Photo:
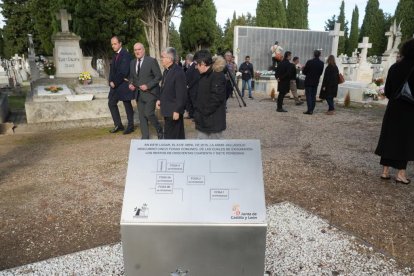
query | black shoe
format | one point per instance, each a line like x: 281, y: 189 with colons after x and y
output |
x: 128, y: 130
x: 116, y: 129
x: 308, y: 112
x: 251, y: 98
x: 299, y: 103
x: 281, y: 110
x: 160, y: 133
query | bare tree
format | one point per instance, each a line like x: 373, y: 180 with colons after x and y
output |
x: 156, y: 18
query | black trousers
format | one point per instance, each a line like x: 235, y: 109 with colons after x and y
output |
x: 174, y: 129
x: 146, y: 111
x: 116, y: 117
x: 280, y: 98
x: 396, y: 164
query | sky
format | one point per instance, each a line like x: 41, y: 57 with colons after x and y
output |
x: 319, y: 10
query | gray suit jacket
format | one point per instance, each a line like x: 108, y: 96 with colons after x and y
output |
x: 149, y: 74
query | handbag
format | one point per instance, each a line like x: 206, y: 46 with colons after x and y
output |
x: 341, y: 78
x: 404, y: 92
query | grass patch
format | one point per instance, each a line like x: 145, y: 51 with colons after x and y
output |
x: 16, y: 102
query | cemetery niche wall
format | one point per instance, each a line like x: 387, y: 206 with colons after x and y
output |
x: 256, y: 42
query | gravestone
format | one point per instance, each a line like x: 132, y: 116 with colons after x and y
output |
x: 365, y: 72
x: 196, y: 206
x: 336, y: 33
x: 34, y: 71
x: 67, y: 53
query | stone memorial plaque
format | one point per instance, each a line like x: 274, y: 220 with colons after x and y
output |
x: 79, y: 98
x: 69, y: 60
x: 195, y: 205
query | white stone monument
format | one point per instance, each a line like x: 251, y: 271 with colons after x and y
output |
x: 365, y: 72
x: 336, y: 33
x: 34, y: 71
x: 67, y: 53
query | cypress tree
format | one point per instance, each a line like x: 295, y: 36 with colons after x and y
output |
x: 18, y: 24
x: 341, y: 20
x: 195, y: 33
x: 353, y: 36
x: 270, y: 13
x: 297, y: 15
x: 404, y: 13
x: 305, y: 14
x: 373, y: 26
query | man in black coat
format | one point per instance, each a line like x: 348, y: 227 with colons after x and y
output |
x: 210, y: 107
x: 119, y: 91
x: 173, y: 95
x: 246, y: 68
x: 144, y: 77
x: 313, y: 70
x: 192, y: 76
x: 283, y: 76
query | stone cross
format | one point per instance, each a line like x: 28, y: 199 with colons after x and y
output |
x: 64, y: 18
x: 397, y: 41
x: 390, y: 35
x: 364, y: 46
x: 336, y: 33
x: 31, y: 50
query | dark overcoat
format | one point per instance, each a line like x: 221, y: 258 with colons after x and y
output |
x: 396, y: 140
x: 313, y: 70
x: 283, y: 74
x: 173, y: 91
x: 210, y: 108
x: 118, y: 74
x: 329, y: 88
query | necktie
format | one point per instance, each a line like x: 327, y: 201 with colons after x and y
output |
x: 138, y: 66
x: 117, y: 57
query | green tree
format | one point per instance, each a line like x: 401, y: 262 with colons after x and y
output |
x: 373, y: 26
x: 297, y: 14
x: 45, y: 24
x: 353, y: 36
x: 270, y: 13
x: 175, y: 40
x: 18, y: 24
x: 341, y: 20
x: 404, y: 14
x: 196, y: 33
x: 330, y: 23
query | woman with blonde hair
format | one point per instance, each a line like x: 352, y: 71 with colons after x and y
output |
x: 329, y: 89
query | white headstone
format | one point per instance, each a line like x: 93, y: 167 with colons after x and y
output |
x: 364, y: 46
x: 336, y: 33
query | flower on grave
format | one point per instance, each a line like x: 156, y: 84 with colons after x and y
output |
x: 379, y: 81
x: 85, y: 76
x: 53, y: 88
x: 257, y: 75
x: 371, y: 91
x: 49, y: 68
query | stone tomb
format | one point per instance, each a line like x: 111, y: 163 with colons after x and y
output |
x: 195, y: 206
x: 73, y: 102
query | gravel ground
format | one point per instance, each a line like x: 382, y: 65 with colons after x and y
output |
x: 61, y: 190
x: 298, y: 243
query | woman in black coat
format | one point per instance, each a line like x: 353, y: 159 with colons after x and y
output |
x: 329, y: 88
x: 396, y: 142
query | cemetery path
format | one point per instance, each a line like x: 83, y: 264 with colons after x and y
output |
x: 61, y: 190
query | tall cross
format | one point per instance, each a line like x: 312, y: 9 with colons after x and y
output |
x: 390, y: 35
x: 64, y: 18
x: 364, y: 46
x: 336, y: 33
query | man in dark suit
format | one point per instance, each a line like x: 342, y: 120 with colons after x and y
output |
x: 192, y: 76
x: 119, y: 91
x: 173, y: 95
x: 283, y: 76
x: 145, y: 75
x: 313, y: 70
